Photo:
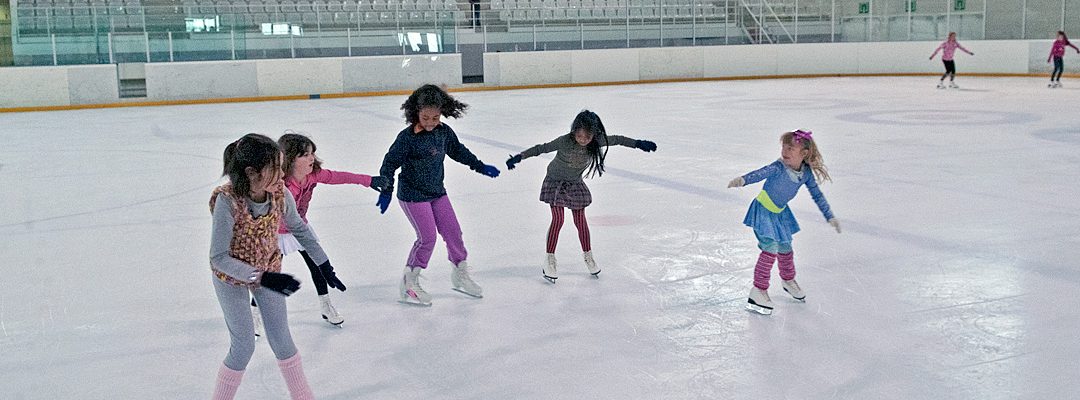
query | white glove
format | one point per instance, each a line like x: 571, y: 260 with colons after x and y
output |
x: 737, y: 182
x: 835, y: 224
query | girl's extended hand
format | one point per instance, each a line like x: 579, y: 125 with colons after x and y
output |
x: 835, y: 224
x: 737, y: 182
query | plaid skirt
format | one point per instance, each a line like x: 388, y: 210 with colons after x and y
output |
x: 570, y: 194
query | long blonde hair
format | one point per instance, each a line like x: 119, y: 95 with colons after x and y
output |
x: 814, y: 159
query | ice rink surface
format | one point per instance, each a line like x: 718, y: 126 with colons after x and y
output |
x: 955, y: 277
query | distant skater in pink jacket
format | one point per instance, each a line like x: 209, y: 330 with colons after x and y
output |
x: 303, y: 171
x: 1057, y: 53
x: 948, y: 50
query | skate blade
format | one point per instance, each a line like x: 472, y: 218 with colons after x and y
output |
x: 800, y: 299
x: 758, y: 309
x: 331, y: 323
x: 550, y: 279
x: 413, y: 302
x: 478, y: 296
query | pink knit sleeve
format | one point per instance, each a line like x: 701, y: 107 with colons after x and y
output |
x: 339, y: 177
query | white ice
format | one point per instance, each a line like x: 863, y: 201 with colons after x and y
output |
x: 955, y: 276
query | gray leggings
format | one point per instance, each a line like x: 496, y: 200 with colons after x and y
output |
x: 234, y: 303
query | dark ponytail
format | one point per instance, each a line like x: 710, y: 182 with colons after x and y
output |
x: 252, y: 150
x: 590, y: 122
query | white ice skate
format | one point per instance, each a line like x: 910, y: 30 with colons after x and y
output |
x: 461, y: 281
x: 1057, y: 85
x: 952, y: 85
x: 759, y: 301
x: 256, y: 317
x: 329, y: 313
x: 591, y: 264
x: 1051, y: 85
x: 941, y: 85
x: 411, y: 292
x: 550, y: 269
x: 794, y: 290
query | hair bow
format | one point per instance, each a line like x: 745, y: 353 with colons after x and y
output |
x: 801, y: 135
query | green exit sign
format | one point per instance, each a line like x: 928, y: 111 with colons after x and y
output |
x: 910, y: 6
x: 864, y: 8
x: 960, y: 5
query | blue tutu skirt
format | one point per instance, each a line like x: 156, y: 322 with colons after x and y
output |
x: 767, y: 224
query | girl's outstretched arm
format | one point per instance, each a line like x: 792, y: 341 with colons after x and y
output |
x: 819, y: 198
x: 760, y: 174
x: 645, y: 145
x: 331, y: 177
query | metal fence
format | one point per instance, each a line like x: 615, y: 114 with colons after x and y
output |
x: 59, y: 32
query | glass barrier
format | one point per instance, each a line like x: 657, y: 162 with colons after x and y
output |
x: 60, y: 32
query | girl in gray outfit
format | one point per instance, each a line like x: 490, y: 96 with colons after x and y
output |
x: 584, y: 148
x: 245, y: 258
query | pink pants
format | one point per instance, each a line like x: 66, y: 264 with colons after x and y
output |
x: 427, y: 218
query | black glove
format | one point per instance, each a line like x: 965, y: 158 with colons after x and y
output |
x: 380, y: 183
x: 281, y: 283
x: 512, y: 162
x: 330, y: 277
x: 645, y: 145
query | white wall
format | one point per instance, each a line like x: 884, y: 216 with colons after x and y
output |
x: 97, y: 84
x: 588, y: 66
x: 49, y: 86
x: 283, y: 77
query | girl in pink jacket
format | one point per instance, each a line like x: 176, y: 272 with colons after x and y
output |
x: 948, y: 49
x: 303, y: 171
x: 1057, y: 53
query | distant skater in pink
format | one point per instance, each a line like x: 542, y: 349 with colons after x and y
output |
x: 948, y: 50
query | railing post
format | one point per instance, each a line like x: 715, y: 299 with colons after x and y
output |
x: 348, y: 35
x: 870, y: 23
x: 232, y: 42
x: 170, y: 47
x: 55, y: 60
x: 146, y: 37
x: 1023, y: 20
x: 534, y: 37
x: 693, y: 23
x: 661, y: 23
x: 984, y: 19
x: 948, y: 16
x: 112, y: 59
x: 909, y: 19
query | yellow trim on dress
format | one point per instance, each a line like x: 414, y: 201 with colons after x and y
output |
x: 766, y: 201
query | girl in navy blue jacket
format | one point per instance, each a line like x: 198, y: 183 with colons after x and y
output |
x: 419, y: 151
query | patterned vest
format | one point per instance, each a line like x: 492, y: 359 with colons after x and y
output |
x: 254, y: 240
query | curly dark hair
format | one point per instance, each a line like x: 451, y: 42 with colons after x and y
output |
x: 432, y: 96
x: 295, y: 145
x: 598, y: 147
x: 252, y: 150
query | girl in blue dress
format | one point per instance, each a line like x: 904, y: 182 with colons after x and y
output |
x: 774, y: 224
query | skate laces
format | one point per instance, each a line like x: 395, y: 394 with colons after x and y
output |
x: 463, y: 272
x: 794, y: 285
x: 330, y: 310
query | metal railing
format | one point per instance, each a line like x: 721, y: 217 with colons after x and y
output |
x: 207, y: 30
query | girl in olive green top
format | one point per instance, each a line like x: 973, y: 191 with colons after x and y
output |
x: 584, y: 148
